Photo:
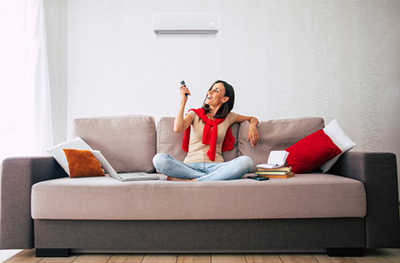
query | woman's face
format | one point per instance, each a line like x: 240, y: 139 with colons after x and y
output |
x: 216, y: 95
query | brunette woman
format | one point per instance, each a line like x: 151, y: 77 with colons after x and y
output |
x: 207, y: 135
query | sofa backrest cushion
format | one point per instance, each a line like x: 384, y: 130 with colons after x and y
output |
x: 127, y: 142
x: 276, y: 135
x: 170, y: 142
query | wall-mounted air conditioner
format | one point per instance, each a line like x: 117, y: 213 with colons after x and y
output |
x: 186, y: 23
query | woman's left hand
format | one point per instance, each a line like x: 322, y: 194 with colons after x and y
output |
x: 253, y: 135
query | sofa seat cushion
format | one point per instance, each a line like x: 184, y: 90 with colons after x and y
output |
x: 104, y: 198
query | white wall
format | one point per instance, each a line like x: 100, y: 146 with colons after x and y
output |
x: 285, y: 59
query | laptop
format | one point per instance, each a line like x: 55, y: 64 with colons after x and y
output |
x: 124, y: 177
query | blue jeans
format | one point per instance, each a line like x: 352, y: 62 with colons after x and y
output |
x: 172, y: 167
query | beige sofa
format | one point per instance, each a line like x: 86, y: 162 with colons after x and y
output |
x: 353, y: 207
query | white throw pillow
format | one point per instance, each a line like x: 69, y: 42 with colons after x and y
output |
x: 58, y: 153
x: 342, y: 141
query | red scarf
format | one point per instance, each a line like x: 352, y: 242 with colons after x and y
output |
x: 210, y: 134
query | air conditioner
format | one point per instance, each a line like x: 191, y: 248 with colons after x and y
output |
x: 186, y: 23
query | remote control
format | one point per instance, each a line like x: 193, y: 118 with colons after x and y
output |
x: 183, y: 83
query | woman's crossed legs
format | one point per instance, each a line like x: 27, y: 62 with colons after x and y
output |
x: 172, y: 167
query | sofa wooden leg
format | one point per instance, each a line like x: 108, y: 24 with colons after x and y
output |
x: 345, y: 252
x: 53, y: 252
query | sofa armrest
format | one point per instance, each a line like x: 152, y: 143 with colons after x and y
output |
x: 18, y: 176
x: 378, y: 172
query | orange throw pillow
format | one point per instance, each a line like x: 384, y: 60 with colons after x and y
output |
x: 82, y: 163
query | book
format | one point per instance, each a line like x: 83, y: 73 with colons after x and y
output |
x: 276, y: 159
x: 279, y: 169
x: 272, y: 172
x: 289, y: 175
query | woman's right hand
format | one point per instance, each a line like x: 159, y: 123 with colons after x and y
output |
x: 184, y: 91
x: 181, y: 123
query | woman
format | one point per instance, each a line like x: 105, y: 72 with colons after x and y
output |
x: 207, y: 135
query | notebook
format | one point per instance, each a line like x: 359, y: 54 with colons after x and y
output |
x: 124, y: 177
x: 276, y: 159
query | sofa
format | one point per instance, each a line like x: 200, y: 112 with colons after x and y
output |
x: 352, y: 207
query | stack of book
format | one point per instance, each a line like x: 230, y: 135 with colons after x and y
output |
x: 275, y: 168
x: 279, y: 172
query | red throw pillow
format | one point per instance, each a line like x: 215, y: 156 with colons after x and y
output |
x: 311, y: 152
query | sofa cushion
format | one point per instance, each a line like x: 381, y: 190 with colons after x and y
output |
x: 127, y: 142
x: 311, y: 152
x: 104, y: 198
x: 170, y: 142
x: 276, y: 135
x: 341, y: 140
